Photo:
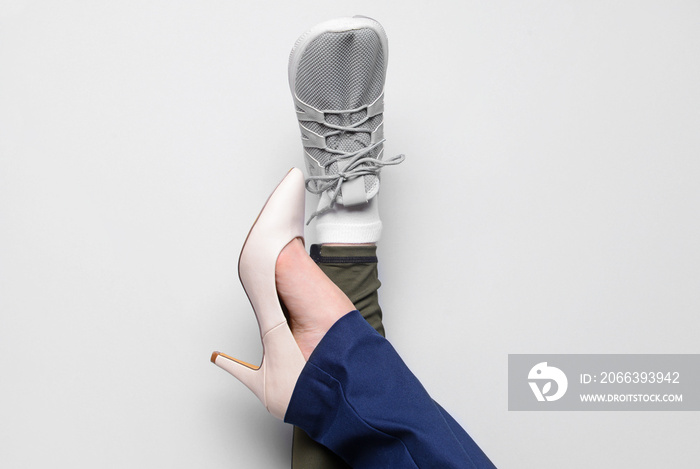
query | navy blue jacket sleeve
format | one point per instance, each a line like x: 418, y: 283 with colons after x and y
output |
x: 358, y: 398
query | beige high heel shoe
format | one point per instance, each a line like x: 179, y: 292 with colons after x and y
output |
x: 280, y: 221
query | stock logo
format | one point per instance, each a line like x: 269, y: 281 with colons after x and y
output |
x: 543, y: 375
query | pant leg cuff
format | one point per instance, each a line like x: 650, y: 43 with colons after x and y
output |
x: 362, y: 254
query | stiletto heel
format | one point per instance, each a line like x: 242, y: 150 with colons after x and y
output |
x: 280, y: 221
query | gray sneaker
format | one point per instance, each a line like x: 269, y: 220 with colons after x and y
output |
x: 337, y: 71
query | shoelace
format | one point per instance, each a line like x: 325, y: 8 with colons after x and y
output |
x: 358, y: 165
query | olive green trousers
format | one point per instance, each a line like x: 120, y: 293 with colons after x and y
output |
x: 354, y: 270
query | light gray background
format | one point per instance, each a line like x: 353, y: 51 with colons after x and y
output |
x: 549, y: 204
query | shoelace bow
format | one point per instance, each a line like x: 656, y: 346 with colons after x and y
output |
x: 358, y: 165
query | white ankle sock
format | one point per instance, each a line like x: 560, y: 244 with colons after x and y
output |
x: 351, y: 225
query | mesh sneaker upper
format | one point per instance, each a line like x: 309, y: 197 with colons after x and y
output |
x: 341, y: 70
x: 341, y: 73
